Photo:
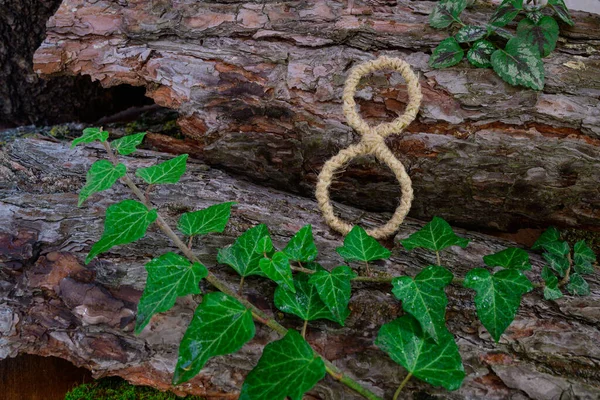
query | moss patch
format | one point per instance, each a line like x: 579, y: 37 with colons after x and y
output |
x: 118, y: 389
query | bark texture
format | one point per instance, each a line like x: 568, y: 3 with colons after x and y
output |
x: 52, y: 304
x: 258, y: 86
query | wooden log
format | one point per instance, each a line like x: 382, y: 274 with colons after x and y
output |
x: 53, y: 304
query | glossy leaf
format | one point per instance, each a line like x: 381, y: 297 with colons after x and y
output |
x: 436, y: 235
x: 169, y: 276
x: 577, y: 286
x: 551, y: 289
x: 207, y: 220
x: 334, y: 289
x: 128, y: 144
x: 221, y: 325
x: 288, y: 367
x: 480, y: 54
x: 165, y: 172
x: 242, y: 255
x: 125, y: 222
x: 511, y: 257
x: 446, y: 54
x: 90, y: 135
x: 560, y: 8
x: 359, y: 246
x: 519, y: 64
x: 101, y: 176
x: 278, y: 270
x: 265, y: 245
x: 498, y: 297
x: 438, y: 364
x: 446, y: 12
x: 470, y: 33
x: 549, y: 235
x: 506, y: 12
x: 542, y: 35
x: 305, y: 303
x: 583, y: 258
x: 559, y: 248
x: 302, y: 246
x: 558, y: 263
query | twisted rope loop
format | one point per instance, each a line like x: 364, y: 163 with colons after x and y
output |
x: 372, y: 143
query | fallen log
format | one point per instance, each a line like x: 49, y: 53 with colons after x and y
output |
x: 53, y: 304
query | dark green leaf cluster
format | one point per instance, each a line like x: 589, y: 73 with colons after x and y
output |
x: 517, y: 58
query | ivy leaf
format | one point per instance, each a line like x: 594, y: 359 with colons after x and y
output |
x: 128, y: 144
x: 221, y: 325
x: 445, y: 12
x: 542, y: 35
x: 302, y: 246
x: 436, y: 235
x: 498, y: 297
x: 264, y: 246
x: 125, y: 222
x: 278, y: 270
x: 305, y: 303
x: 287, y: 368
x: 551, y: 289
x: 511, y: 257
x: 165, y: 172
x: 519, y: 64
x: 550, y: 235
x: 480, y: 54
x: 584, y: 258
x: 557, y: 262
x: 201, y: 222
x: 577, y: 286
x: 560, y: 8
x: 470, y: 33
x: 169, y: 276
x: 559, y: 248
x: 334, y: 289
x: 502, y: 32
x: 90, y: 135
x: 446, y: 54
x: 359, y: 246
x: 101, y: 176
x: 438, y: 364
x: 506, y: 12
x: 424, y: 298
x: 242, y: 255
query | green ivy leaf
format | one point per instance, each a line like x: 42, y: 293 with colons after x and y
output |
x: 584, y: 258
x: 165, y: 172
x: 558, y: 263
x: 242, y: 255
x: 436, y: 235
x: 551, y: 289
x: 511, y: 257
x: 577, y: 286
x: 334, y: 289
x: 265, y: 246
x: 550, y: 235
x: 446, y: 54
x: 288, y: 368
x: 470, y: 33
x: 541, y: 36
x: 424, y: 298
x: 559, y: 248
x: 498, y: 297
x: 506, y: 12
x: 359, y: 246
x: 101, y: 176
x: 90, y: 135
x: 128, y: 144
x: 519, y: 64
x: 438, y: 364
x: 560, y: 8
x: 302, y: 246
x: 125, y: 222
x: 305, y: 303
x: 169, y: 276
x: 480, y: 54
x: 221, y: 325
x: 535, y: 16
x: 201, y: 222
x: 278, y: 269
x: 446, y: 12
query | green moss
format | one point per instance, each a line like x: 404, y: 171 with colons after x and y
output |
x: 118, y: 389
x: 592, y: 239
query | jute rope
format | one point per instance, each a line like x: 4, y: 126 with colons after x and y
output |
x: 372, y: 143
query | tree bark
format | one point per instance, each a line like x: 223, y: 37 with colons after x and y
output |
x: 52, y: 304
x: 258, y: 87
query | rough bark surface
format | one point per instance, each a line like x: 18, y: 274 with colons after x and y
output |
x: 52, y: 304
x: 258, y: 86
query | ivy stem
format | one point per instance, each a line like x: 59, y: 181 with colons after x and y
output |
x: 190, y: 242
x: 437, y: 256
x: 404, y: 382
x: 241, y: 285
x: 147, y: 193
x: 304, y: 328
x: 368, y: 270
x: 374, y: 279
x: 565, y: 280
x: 257, y: 313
